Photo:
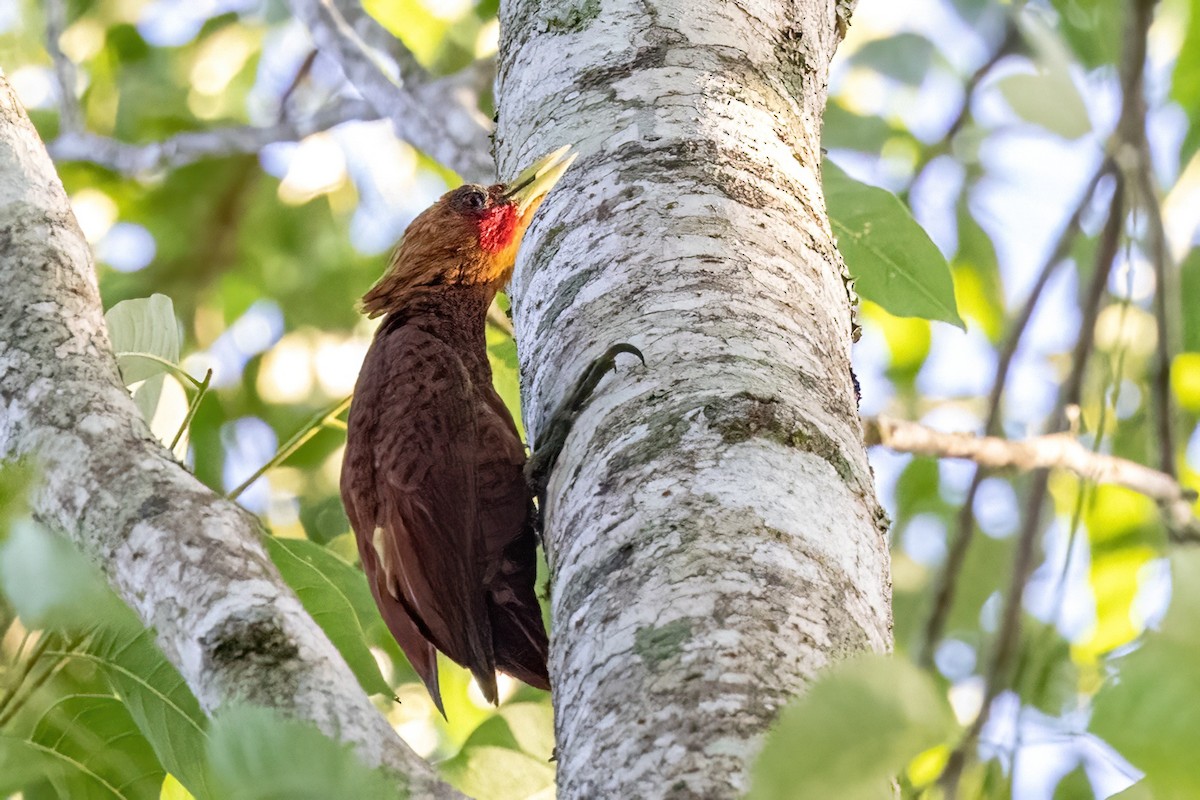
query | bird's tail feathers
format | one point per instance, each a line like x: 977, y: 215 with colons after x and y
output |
x: 520, y: 642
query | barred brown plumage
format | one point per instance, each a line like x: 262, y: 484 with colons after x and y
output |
x: 432, y: 477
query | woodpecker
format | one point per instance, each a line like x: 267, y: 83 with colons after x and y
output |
x: 433, y: 478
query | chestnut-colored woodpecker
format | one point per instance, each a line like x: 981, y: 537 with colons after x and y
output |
x: 433, y: 477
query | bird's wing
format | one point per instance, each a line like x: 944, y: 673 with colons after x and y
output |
x: 506, y: 520
x: 412, y: 416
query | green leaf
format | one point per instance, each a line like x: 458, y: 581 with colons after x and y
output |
x: 1048, y: 98
x: 145, y: 337
x: 154, y: 693
x: 147, y: 394
x: 492, y: 732
x: 23, y: 763
x: 1189, y: 286
x: 906, y: 57
x: 1144, y: 712
x: 502, y: 354
x: 345, y: 547
x: 1139, y: 791
x: 892, y: 259
x: 978, y: 582
x: 17, y: 479
x: 89, y: 747
x: 972, y: 11
x: 917, y: 489
x: 1093, y: 29
x: 1047, y: 678
x: 256, y: 754
x: 172, y: 789
x: 852, y: 732
x: 526, y: 727
x: 1185, y: 81
x: 325, y: 585
x: 499, y: 773
x: 1075, y: 785
x: 532, y: 726
x: 978, y: 286
x: 52, y: 585
x: 845, y: 129
x: 144, y: 333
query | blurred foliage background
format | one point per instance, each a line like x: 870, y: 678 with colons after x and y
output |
x: 987, y: 118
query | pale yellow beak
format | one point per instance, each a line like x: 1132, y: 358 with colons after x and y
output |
x: 536, y: 180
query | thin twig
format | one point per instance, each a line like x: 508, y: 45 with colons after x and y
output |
x: 192, y: 407
x: 29, y: 632
x: 1048, y: 631
x: 1053, y: 451
x: 1112, y: 385
x: 69, y: 109
x: 192, y: 146
x: 1156, y: 237
x: 166, y: 364
x: 13, y: 703
x: 27, y: 666
x: 1009, y: 633
x: 438, y: 116
x: 1008, y: 636
x: 946, y: 586
x: 308, y: 431
x: 1110, y: 237
x: 1008, y: 45
x: 498, y: 319
x: 303, y: 72
x: 946, y: 583
x: 432, y: 119
x: 8, y: 618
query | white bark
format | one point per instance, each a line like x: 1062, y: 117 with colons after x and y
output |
x: 189, y: 563
x: 1052, y: 451
x: 713, y: 532
x: 192, y: 146
x: 440, y: 118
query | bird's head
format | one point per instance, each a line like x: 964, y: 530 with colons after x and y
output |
x: 469, y: 236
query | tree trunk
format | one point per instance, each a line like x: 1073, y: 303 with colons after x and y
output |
x: 712, y: 528
x: 190, y: 563
x: 713, y: 531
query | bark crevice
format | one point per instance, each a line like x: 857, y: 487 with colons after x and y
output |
x: 712, y: 529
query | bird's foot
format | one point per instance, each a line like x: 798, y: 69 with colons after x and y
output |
x: 550, y: 444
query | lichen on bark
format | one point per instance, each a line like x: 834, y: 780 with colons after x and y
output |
x: 712, y: 529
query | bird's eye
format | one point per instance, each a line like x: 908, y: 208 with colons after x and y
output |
x: 476, y: 200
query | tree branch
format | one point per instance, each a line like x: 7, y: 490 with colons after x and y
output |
x: 946, y: 581
x: 1164, y: 278
x: 1129, y: 131
x: 425, y: 113
x: 191, y: 564
x: 193, y: 146
x: 1052, y: 451
x: 1009, y: 44
x: 69, y: 110
x: 499, y: 320
x: 1009, y: 633
x: 1135, y: 151
x: 438, y: 116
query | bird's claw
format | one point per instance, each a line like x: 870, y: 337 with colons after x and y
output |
x: 550, y: 443
x: 610, y: 355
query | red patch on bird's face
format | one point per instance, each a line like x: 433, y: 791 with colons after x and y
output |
x: 497, y: 226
